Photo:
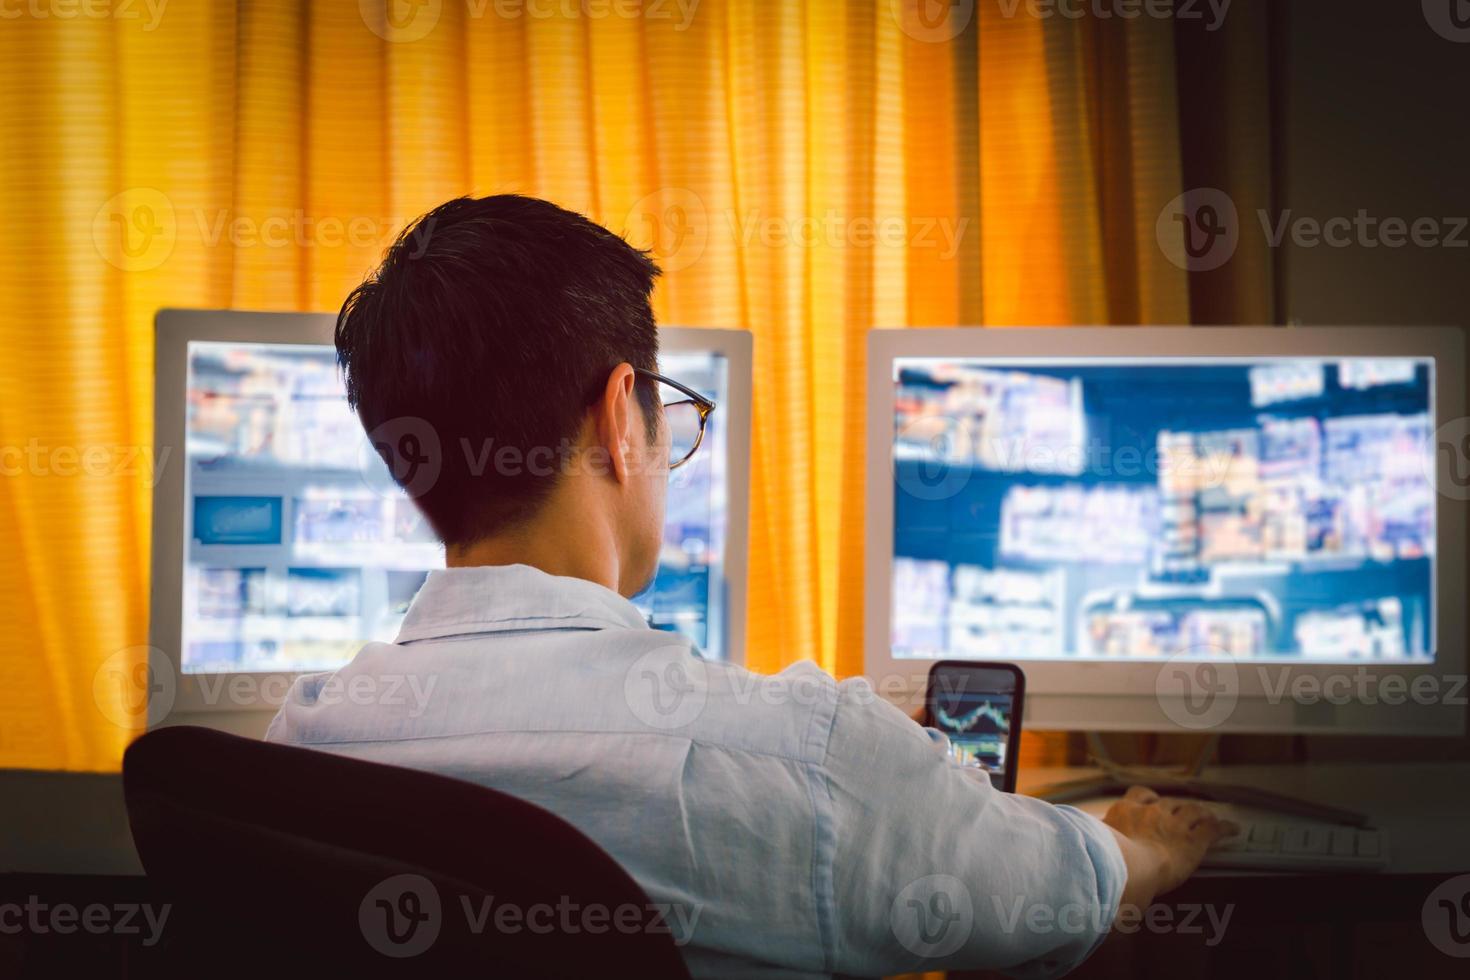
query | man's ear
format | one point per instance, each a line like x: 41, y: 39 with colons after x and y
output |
x: 615, y: 420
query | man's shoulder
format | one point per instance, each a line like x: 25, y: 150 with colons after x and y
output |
x: 670, y: 689
x: 791, y: 713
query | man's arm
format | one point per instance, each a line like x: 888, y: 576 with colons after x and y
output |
x: 1161, y: 845
x: 934, y: 869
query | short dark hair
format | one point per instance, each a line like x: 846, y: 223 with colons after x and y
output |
x: 495, y: 320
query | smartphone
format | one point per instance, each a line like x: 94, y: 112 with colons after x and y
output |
x: 978, y: 705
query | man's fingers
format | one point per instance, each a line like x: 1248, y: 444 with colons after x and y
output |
x: 1206, y: 821
x: 1140, y: 794
x: 1201, y: 820
x: 1185, y: 813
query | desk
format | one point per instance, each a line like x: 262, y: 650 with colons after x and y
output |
x: 1293, y: 926
x: 1314, y: 925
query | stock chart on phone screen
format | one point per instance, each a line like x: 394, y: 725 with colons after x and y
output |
x: 1105, y: 508
x: 979, y: 729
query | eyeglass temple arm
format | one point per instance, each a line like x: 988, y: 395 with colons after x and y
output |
x: 705, y: 405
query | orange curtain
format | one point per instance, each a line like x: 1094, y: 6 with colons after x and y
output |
x: 804, y: 171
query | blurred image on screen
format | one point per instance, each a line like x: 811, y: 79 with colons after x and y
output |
x: 687, y: 595
x: 1106, y: 508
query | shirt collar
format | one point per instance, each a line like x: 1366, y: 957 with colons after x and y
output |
x: 496, y: 598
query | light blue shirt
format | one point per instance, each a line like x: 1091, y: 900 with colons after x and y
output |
x: 787, y: 825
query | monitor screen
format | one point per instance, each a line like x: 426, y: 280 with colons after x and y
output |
x: 299, y: 549
x: 1146, y: 508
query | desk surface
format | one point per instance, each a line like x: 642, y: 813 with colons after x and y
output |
x: 76, y: 823
x: 1422, y: 808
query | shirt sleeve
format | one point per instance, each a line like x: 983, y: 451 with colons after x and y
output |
x: 934, y: 869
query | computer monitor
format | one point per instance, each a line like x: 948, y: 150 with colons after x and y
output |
x: 281, y: 545
x: 1244, y: 529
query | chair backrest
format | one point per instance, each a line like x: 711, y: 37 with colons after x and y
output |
x: 282, y: 857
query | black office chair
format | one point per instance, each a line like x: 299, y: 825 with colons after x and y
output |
x: 280, y: 859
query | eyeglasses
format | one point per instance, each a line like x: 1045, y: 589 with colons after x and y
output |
x: 687, y: 413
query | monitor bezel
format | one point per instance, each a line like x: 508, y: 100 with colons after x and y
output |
x: 1078, y: 694
x: 195, y: 700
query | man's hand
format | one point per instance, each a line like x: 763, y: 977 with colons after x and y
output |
x: 1163, y: 840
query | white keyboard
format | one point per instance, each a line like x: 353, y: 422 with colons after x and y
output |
x: 1270, y: 841
x: 1285, y: 845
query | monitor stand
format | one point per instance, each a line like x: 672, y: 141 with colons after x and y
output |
x: 1185, y: 780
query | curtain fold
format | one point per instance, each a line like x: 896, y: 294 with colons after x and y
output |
x: 803, y: 171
